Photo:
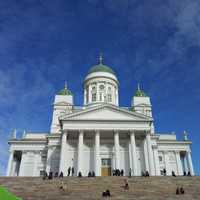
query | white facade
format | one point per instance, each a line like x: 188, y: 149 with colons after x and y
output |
x: 100, y: 136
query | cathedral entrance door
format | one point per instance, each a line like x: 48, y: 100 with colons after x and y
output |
x: 105, y: 167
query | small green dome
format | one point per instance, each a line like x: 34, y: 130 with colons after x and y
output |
x: 139, y: 92
x: 65, y: 91
x: 101, y: 68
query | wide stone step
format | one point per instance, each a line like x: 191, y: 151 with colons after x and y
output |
x: 32, y: 188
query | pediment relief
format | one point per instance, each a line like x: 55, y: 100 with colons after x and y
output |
x: 107, y: 112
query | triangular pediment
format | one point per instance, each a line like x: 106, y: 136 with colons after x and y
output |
x: 62, y: 103
x: 108, y: 113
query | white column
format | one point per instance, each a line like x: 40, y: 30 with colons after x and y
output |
x: 150, y: 154
x: 63, y: 153
x: 117, y: 150
x: 117, y: 97
x: 133, y: 154
x: 80, y: 151
x: 49, y: 154
x: 146, y: 155
x: 97, y: 153
x: 21, y: 169
x: 178, y: 163
x: 90, y: 93
x: 167, y: 166
x: 156, y: 161
x: 10, y: 161
x: 185, y: 163
x: 85, y: 94
x: 190, y: 163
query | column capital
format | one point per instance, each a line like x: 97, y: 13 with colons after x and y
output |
x: 96, y: 130
x: 165, y: 152
x: 148, y: 132
x: 81, y: 131
x: 131, y: 130
x: 116, y: 131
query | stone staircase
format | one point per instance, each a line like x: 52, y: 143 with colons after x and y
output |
x: 141, y: 188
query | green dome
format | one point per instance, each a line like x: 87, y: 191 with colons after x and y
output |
x: 101, y: 68
x: 139, y: 92
x: 65, y: 91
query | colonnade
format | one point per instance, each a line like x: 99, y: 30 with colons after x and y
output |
x: 97, y: 158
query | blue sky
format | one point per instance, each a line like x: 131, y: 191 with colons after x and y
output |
x: 43, y: 43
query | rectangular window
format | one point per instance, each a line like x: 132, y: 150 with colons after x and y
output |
x: 94, y: 97
x: 109, y: 98
x: 100, y: 97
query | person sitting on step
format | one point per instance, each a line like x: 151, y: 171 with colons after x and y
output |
x: 182, y: 191
x: 89, y: 174
x: 104, y: 194
x: 126, y: 185
x: 122, y: 172
x: 50, y: 175
x: 184, y: 173
x: 147, y: 174
x: 173, y: 174
x: 177, y: 191
x: 108, y: 193
x: 189, y: 174
x: 93, y: 174
x: 56, y: 174
x: 63, y: 186
x: 80, y: 174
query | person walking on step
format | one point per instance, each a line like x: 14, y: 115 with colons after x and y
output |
x: 164, y: 172
x: 69, y: 170
x: 72, y: 171
x: 173, y: 174
x: 129, y: 173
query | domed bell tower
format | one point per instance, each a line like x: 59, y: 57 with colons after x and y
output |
x: 63, y: 104
x: 141, y: 104
x: 101, y: 85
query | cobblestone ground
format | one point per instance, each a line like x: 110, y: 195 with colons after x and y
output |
x: 141, y: 188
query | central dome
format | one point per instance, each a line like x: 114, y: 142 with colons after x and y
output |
x: 101, y: 68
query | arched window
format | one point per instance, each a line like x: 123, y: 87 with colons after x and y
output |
x: 94, y: 94
x: 109, y: 94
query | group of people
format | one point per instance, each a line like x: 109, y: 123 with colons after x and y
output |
x: 145, y: 173
x: 117, y: 172
x: 91, y: 174
x: 106, y: 193
x: 70, y: 170
x: 186, y: 174
x: 164, y: 172
x: 50, y: 176
x: 180, y: 190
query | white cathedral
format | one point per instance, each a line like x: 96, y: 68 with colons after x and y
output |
x: 100, y: 136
